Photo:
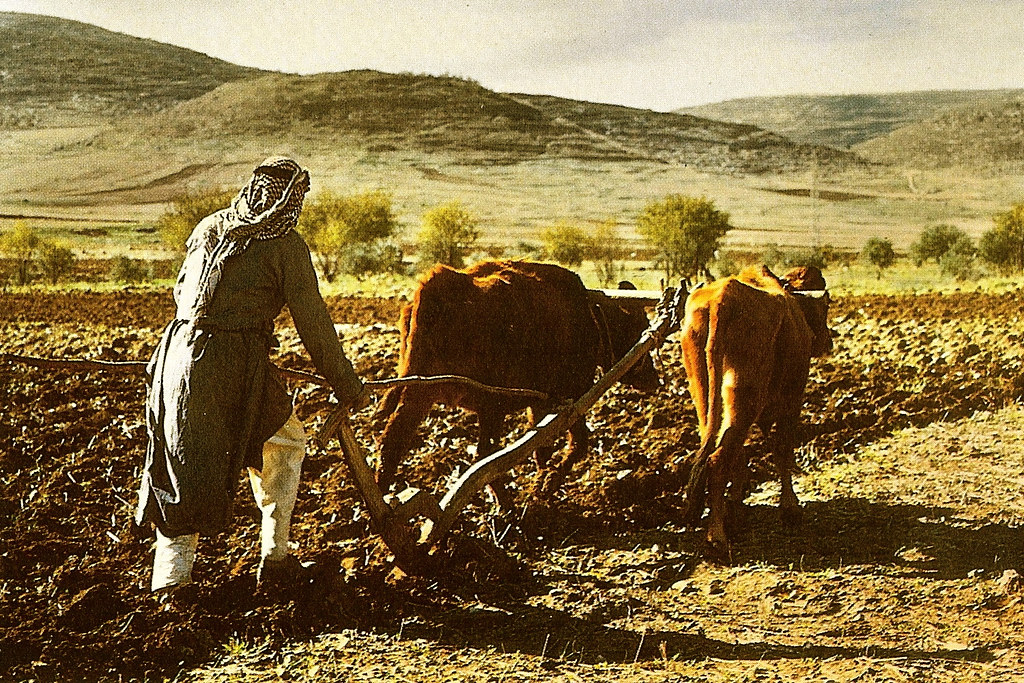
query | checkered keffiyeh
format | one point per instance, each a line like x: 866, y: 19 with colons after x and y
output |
x: 267, y: 207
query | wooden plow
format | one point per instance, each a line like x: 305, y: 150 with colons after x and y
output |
x: 392, y: 517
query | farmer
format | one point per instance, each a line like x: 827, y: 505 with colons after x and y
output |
x: 215, y: 403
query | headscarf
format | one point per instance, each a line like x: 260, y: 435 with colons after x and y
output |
x: 268, y: 206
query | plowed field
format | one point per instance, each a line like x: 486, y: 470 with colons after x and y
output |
x: 903, y: 570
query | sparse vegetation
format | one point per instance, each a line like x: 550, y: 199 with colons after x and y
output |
x: 935, y: 241
x: 879, y: 253
x: 129, y: 271
x: 449, y: 232
x: 352, y: 233
x: 685, y: 231
x: 186, y: 211
x: 565, y: 244
x: 1003, y: 245
x: 55, y: 261
x: 21, y: 245
x: 606, y: 253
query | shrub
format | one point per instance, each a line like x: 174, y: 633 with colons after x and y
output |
x: 878, y: 252
x: 934, y: 242
x: 185, y: 213
x: 55, y: 261
x: 21, y: 245
x: 685, y: 231
x: 605, y: 252
x: 1003, y: 245
x: 958, y: 260
x: 128, y: 270
x: 350, y: 233
x: 820, y: 257
x: 449, y: 232
x: 566, y: 244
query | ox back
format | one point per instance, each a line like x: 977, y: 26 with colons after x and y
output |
x: 505, y: 324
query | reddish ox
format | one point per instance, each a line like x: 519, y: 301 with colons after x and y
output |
x: 506, y: 324
x: 747, y: 345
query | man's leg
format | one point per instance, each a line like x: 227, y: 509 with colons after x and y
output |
x: 274, y: 488
x: 173, y: 557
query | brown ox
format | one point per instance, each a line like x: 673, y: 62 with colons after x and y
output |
x: 747, y: 345
x: 506, y: 324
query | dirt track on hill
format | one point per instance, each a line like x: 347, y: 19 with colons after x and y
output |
x: 593, y: 569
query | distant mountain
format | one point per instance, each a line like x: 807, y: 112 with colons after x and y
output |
x: 461, y: 119
x: 844, y: 121
x: 61, y: 72
x: 987, y: 136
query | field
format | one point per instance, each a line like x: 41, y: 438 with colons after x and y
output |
x: 906, y: 567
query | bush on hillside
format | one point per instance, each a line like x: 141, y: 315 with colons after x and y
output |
x: 21, y: 245
x: 56, y: 261
x: 351, y: 233
x: 879, y: 253
x: 1003, y: 245
x: 565, y: 244
x: 934, y: 242
x: 186, y: 211
x: 128, y: 270
x: 685, y: 232
x: 449, y: 232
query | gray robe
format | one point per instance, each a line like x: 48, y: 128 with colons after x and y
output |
x: 214, y: 396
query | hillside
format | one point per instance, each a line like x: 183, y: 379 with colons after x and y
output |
x: 687, y: 139
x: 383, y: 112
x: 61, y: 72
x: 843, y: 120
x: 987, y: 137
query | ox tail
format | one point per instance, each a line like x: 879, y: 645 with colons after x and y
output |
x: 695, y: 493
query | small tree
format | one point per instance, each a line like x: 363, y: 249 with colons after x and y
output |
x: 878, y: 252
x: 351, y: 233
x: 21, y: 245
x: 565, y: 244
x: 605, y: 252
x: 685, y: 231
x: 1003, y: 245
x: 186, y: 211
x: 958, y: 261
x: 128, y: 270
x: 934, y: 242
x: 56, y: 261
x: 448, y: 233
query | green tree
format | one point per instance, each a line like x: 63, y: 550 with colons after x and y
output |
x: 1003, y: 245
x: 878, y: 252
x: 56, y: 261
x: 351, y: 233
x: 565, y: 244
x: 186, y: 211
x: 128, y: 270
x: 605, y: 251
x: 685, y: 231
x: 21, y: 245
x: 934, y: 241
x: 449, y: 232
x: 958, y: 261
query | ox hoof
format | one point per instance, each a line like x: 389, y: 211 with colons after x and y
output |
x: 719, y: 551
x: 791, y: 516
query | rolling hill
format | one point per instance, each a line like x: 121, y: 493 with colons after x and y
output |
x: 461, y: 120
x: 987, y: 136
x: 845, y: 120
x: 56, y: 72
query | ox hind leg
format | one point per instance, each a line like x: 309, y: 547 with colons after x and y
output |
x: 400, y: 433
x: 491, y: 421
x: 724, y: 466
x: 579, y: 443
x: 783, y: 443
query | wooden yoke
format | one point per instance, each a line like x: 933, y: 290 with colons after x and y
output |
x: 391, y: 521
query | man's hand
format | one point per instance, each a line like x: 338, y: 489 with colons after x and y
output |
x: 359, y: 401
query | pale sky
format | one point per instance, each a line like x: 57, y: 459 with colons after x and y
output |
x: 654, y: 54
